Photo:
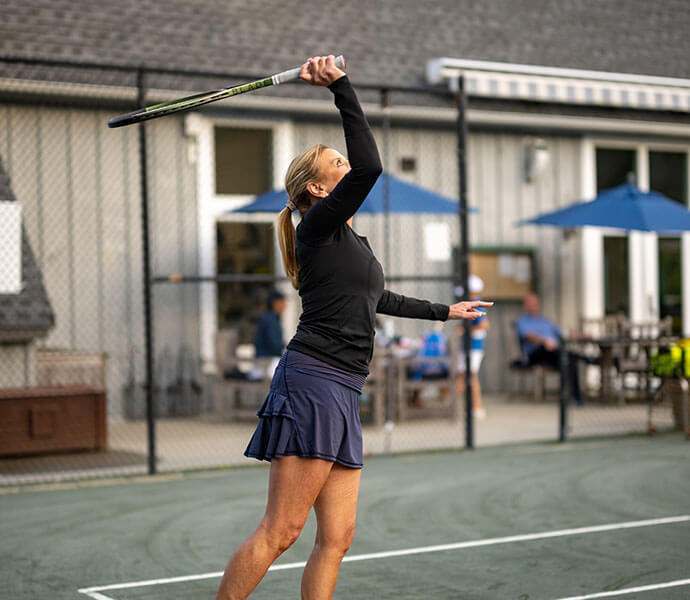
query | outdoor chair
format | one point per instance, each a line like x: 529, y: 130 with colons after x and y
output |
x: 241, y: 385
x: 539, y: 373
x: 56, y: 367
x: 632, y: 359
x: 437, y: 394
x: 608, y: 326
x: 597, y: 334
x: 372, y: 401
x: 178, y: 388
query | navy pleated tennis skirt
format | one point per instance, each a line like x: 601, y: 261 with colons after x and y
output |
x: 312, y: 410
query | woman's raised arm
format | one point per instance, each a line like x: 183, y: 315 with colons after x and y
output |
x: 347, y: 196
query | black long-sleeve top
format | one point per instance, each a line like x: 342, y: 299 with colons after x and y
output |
x: 340, y: 281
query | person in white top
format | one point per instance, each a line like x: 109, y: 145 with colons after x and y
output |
x: 479, y: 329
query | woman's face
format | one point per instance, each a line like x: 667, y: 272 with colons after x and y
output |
x: 332, y: 167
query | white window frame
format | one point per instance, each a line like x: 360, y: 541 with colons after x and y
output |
x: 213, y: 207
x: 643, y: 247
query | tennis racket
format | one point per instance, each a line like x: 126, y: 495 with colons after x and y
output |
x: 173, y: 106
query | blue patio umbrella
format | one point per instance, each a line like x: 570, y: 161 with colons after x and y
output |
x: 623, y: 207
x: 273, y: 201
x: 404, y: 198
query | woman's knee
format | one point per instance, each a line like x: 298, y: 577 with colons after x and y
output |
x: 282, y: 533
x: 337, y: 542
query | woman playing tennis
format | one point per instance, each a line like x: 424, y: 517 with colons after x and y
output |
x: 309, y: 424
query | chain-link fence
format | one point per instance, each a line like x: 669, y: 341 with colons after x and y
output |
x: 71, y: 312
x: 124, y: 259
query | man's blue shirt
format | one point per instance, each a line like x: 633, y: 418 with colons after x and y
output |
x: 541, y: 326
x: 268, y: 340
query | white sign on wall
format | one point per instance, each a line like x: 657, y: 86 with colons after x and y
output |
x: 437, y: 241
x: 10, y: 248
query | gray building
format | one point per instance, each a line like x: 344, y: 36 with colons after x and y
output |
x: 564, y: 99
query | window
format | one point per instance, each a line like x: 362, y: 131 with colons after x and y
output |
x: 616, y: 274
x: 668, y: 175
x: 243, y: 160
x: 614, y: 167
x: 243, y: 249
x: 243, y: 167
x: 670, y: 290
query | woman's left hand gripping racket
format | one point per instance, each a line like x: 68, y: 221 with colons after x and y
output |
x: 166, y: 108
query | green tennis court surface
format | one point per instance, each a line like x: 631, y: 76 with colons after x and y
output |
x: 589, y: 519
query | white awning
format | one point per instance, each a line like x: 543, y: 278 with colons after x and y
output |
x: 558, y: 85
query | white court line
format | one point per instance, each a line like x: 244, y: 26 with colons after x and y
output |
x: 632, y: 590
x: 97, y: 596
x: 404, y: 552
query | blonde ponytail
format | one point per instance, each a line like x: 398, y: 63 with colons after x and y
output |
x: 286, y: 240
x: 302, y: 170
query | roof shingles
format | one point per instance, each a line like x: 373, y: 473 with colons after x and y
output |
x: 389, y: 41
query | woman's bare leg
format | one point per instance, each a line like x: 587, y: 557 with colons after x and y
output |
x: 476, y: 389
x: 294, y: 486
x: 336, y: 513
x: 460, y: 384
x: 476, y: 393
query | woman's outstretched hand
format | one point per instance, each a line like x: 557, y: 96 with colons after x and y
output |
x: 468, y: 310
x: 320, y: 70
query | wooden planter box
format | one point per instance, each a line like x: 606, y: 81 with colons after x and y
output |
x: 674, y: 392
x: 51, y: 419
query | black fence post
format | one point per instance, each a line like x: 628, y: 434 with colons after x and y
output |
x: 563, y: 391
x: 461, y: 125
x: 386, y: 128
x: 146, y: 268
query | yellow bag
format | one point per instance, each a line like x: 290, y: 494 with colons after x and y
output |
x: 672, y: 361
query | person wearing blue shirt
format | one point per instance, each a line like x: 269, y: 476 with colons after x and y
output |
x: 479, y: 329
x: 540, y: 340
x: 268, y: 340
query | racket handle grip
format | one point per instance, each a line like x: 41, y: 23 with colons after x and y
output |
x: 293, y: 74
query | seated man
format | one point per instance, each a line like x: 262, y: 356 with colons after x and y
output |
x: 540, y: 340
x: 268, y: 340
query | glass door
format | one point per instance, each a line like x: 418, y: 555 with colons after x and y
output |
x: 668, y: 175
x: 614, y: 167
